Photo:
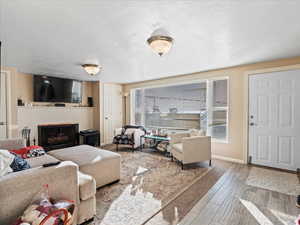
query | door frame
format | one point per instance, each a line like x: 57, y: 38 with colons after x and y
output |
x: 246, y: 77
x: 7, y: 75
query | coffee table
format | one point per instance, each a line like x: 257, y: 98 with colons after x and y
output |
x: 156, y: 141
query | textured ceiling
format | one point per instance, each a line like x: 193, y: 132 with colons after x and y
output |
x: 55, y: 37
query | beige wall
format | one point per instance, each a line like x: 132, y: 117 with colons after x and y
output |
x: 38, y: 115
x: 20, y: 85
x: 237, y: 86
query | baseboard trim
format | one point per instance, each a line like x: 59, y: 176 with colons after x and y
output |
x: 228, y: 159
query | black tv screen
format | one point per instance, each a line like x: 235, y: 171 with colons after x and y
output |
x: 53, y: 89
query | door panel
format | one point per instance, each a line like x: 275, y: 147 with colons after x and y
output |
x: 263, y: 110
x: 286, y: 111
x: 285, y: 150
x: 113, y: 105
x: 274, y: 119
x: 263, y: 147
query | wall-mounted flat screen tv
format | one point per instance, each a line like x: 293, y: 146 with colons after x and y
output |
x: 54, y: 89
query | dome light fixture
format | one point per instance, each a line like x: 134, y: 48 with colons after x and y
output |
x: 91, y: 69
x: 160, y: 42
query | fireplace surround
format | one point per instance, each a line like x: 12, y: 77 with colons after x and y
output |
x: 55, y: 136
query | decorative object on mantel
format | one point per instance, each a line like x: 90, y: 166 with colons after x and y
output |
x: 91, y: 69
x: 160, y: 41
x: 26, y: 135
x: 20, y: 102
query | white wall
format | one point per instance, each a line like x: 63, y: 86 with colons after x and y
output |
x: 34, y: 116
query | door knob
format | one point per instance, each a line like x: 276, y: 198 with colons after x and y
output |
x: 252, y: 124
x: 2, y: 123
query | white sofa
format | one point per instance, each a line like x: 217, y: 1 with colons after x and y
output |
x: 82, y: 170
x: 189, y: 148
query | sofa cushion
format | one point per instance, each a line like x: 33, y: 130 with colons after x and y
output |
x: 40, y: 160
x: 178, y: 147
x: 9, y: 144
x: 83, y: 154
x: 103, y: 165
x: 87, y: 186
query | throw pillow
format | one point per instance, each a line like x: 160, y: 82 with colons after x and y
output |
x: 5, y: 160
x: 29, y: 152
x: 18, y: 163
x: 195, y: 132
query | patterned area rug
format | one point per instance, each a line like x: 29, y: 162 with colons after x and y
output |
x: 149, y: 181
x: 283, y: 182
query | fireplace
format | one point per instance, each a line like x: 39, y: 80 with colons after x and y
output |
x: 54, y: 136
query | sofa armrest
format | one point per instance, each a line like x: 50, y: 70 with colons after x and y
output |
x: 17, y: 190
x: 10, y: 144
x: 198, y: 147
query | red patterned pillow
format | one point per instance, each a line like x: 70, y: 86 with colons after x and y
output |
x: 29, y: 152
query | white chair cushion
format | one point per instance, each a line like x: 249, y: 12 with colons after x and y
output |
x: 178, y: 147
x: 196, y: 133
x: 130, y: 131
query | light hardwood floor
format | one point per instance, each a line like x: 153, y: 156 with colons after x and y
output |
x: 230, y: 201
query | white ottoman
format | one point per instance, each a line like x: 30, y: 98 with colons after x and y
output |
x: 103, y: 165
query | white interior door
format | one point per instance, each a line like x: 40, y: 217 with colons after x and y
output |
x: 274, y: 119
x: 112, y: 110
x: 3, y: 116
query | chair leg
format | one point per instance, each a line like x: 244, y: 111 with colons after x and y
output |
x: 182, y: 166
x: 172, y: 158
x: 210, y: 162
x: 132, y: 148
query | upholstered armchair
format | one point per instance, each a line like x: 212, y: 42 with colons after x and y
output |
x: 190, y: 148
x: 129, y: 135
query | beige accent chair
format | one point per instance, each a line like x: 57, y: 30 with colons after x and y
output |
x: 188, y: 147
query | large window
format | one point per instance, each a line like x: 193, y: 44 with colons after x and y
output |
x: 201, y: 105
x: 218, y: 110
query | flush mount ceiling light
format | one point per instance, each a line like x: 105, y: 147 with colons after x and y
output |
x: 160, y: 41
x: 91, y: 69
